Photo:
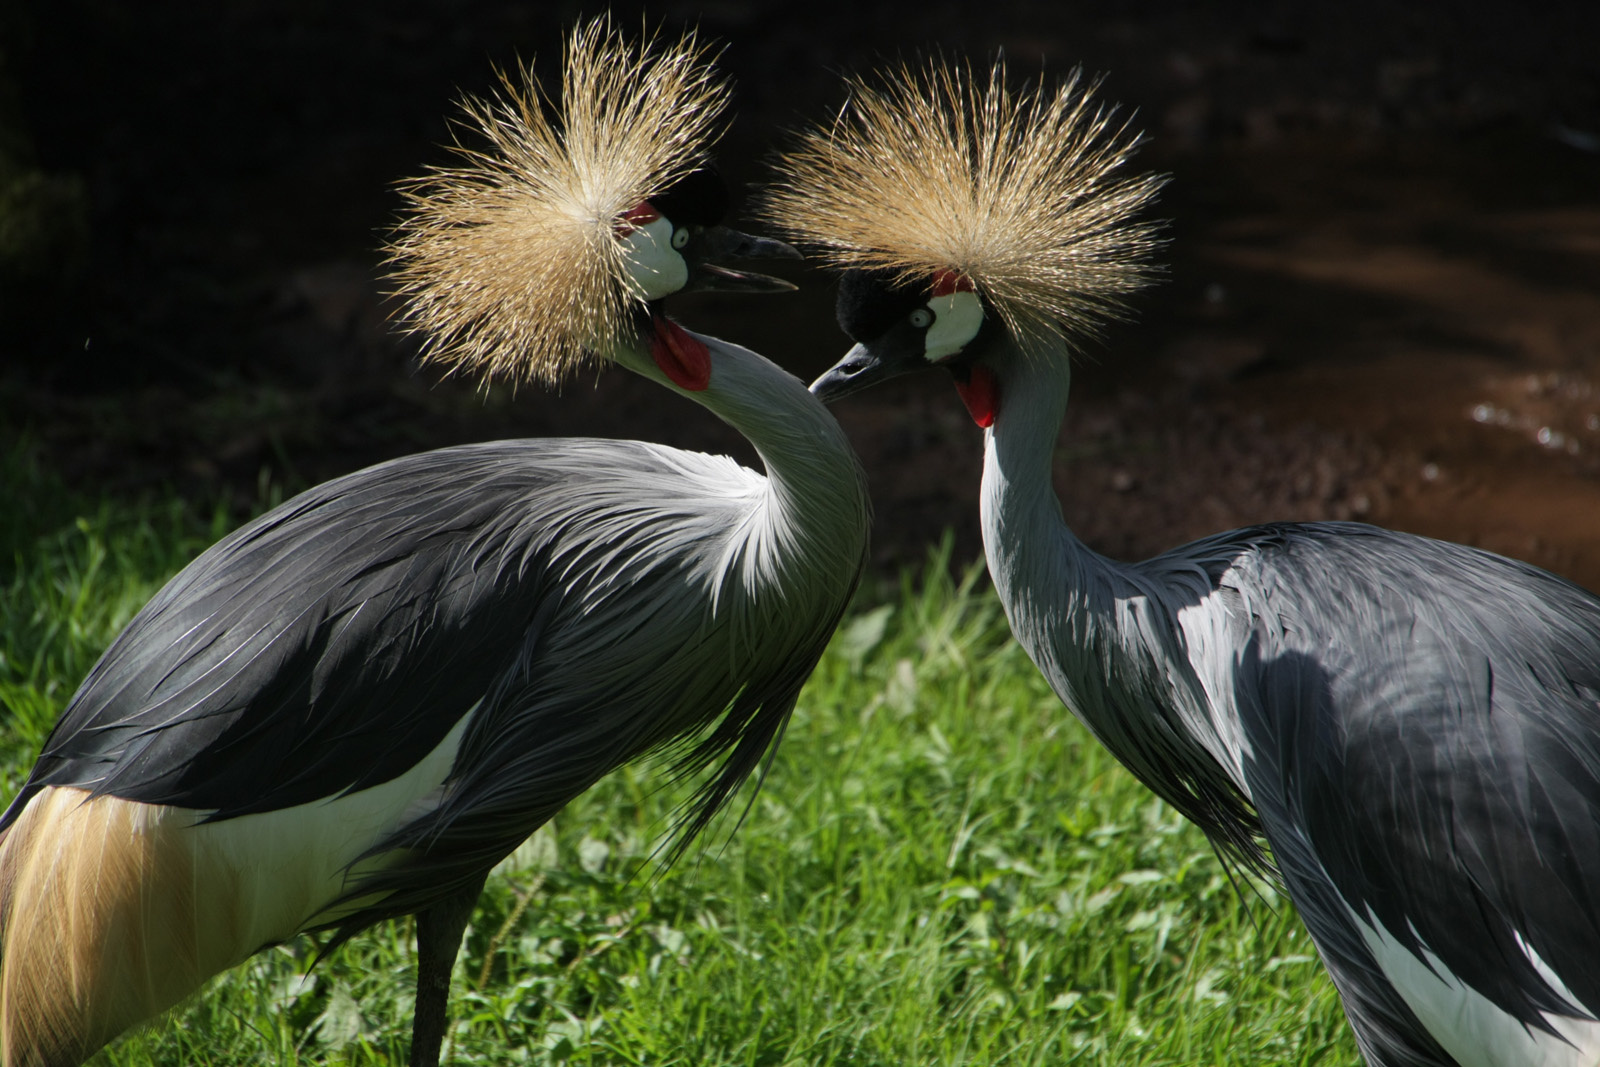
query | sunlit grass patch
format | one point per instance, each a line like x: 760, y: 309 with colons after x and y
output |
x: 942, y: 867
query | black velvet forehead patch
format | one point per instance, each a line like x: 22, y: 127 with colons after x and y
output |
x: 870, y: 303
x: 699, y: 198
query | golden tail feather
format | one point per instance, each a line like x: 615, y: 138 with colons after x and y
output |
x: 97, y: 924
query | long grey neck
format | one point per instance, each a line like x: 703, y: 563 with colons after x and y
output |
x: 817, y: 483
x: 1104, y: 634
x: 1041, y: 571
x: 1026, y: 540
x: 810, y: 530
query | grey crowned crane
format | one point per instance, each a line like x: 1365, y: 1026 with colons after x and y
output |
x: 351, y: 708
x: 1412, y: 726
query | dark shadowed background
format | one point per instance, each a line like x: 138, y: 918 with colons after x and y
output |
x: 1383, y: 299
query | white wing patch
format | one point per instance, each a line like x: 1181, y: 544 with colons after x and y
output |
x: 1467, y: 1024
x: 286, y: 866
x: 115, y: 910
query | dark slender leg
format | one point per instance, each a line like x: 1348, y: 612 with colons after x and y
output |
x: 439, y: 931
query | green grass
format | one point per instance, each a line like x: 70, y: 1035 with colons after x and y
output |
x: 942, y: 868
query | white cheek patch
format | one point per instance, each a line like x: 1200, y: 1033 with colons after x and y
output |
x: 655, y: 269
x: 956, y: 320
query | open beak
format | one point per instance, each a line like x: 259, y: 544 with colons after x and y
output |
x: 863, y: 367
x: 720, y: 242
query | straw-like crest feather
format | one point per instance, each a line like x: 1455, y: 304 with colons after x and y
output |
x: 510, y: 264
x: 1018, y: 190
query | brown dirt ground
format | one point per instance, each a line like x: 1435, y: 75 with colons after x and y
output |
x: 1383, y: 302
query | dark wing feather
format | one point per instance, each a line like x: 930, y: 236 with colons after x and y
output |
x: 563, y: 589
x: 530, y: 749
x: 1431, y: 714
x: 326, y: 646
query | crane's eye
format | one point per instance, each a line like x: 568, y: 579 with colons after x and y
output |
x: 921, y: 318
x: 680, y: 237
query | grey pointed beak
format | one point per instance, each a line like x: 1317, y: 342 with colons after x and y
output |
x: 720, y: 242
x: 861, y: 368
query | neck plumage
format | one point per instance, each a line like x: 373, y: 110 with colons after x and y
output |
x: 1104, y: 634
x: 818, y: 509
x: 809, y: 531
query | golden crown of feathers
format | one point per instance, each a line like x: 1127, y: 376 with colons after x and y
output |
x: 931, y: 171
x: 511, y: 263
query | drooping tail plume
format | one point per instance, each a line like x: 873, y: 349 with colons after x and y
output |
x: 97, y: 923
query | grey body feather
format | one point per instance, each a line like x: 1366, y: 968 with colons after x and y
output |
x: 586, y: 600
x: 1412, y: 726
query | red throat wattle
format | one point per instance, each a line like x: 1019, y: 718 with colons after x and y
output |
x: 685, y: 361
x: 981, y: 393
